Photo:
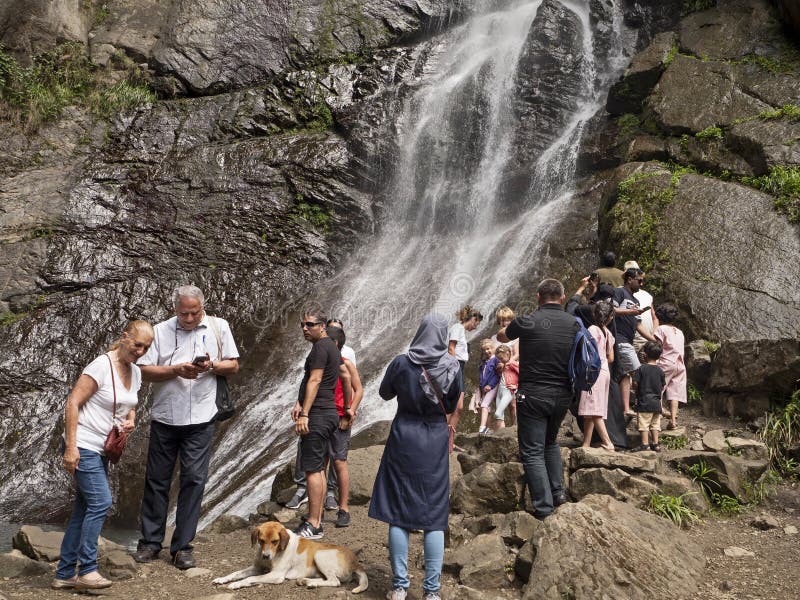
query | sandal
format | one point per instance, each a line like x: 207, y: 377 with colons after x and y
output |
x: 672, y: 426
x: 655, y: 447
x: 641, y: 448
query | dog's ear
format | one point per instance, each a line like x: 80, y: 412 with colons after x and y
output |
x: 254, y: 537
x: 284, y: 540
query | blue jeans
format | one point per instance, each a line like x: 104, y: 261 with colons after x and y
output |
x: 92, y: 503
x: 539, y: 416
x: 398, y: 554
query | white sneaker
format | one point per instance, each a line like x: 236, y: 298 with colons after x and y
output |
x: 432, y: 596
x: 396, y: 594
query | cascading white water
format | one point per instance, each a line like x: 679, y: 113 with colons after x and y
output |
x: 445, y: 239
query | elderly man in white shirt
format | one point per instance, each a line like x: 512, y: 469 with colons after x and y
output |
x: 188, y: 352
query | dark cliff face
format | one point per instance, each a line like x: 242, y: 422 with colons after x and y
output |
x: 262, y: 167
x: 701, y: 136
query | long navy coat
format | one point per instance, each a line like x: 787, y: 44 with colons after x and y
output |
x: 412, y: 488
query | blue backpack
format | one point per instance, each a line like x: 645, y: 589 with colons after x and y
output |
x: 584, y: 361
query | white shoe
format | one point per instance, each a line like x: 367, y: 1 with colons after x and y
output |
x: 396, y: 594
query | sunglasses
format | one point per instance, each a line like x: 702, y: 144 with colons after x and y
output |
x: 309, y: 324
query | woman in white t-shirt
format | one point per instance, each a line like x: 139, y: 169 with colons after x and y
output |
x: 89, y: 419
x: 468, y: 319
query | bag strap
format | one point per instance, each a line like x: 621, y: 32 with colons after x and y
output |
x: 213, y: 322
x: 113, y: 388
x: 435, y: 390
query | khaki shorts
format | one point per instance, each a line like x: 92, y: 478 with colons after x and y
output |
x: 651, y: 421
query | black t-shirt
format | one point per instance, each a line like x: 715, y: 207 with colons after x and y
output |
x: 651, y: 381
x: 626, y: 324
x: 326, y: 356
x: 545, y: 345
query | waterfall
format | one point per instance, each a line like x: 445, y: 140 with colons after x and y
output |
x: 454, y: 230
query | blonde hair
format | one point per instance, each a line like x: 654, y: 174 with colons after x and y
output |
x: 134, y: 327
x: 502, y: 349
x: 486, y: 342
x: 504, y: 312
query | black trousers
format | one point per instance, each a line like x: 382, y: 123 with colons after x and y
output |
x: 192, y: 444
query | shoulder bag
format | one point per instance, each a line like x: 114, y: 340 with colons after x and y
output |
x: 116, y: 438
x: 226, y: 407
x: 451, y: 430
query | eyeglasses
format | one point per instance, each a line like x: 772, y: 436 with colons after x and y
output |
x: 309, y: 324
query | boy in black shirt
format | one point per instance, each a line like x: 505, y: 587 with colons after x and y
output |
x: 650, y: 387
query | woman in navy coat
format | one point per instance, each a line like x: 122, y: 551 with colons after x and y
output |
x: 412, y: 488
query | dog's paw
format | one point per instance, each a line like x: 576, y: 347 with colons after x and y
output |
x: 238, y: 584
x: 220, y: 580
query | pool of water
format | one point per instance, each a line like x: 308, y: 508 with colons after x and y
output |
x: 126, y: 537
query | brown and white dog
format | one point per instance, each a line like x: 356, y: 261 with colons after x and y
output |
x: 282, y: 554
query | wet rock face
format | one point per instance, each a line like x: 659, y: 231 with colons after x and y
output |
x: 31, y: 26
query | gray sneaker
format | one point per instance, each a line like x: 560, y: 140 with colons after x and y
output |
x: 342, y: 518
x: 432, y: 596
x: 396, y: 594
x: 300, y: 497
x: 330, y: 503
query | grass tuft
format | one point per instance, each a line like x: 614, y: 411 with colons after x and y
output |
x: 781, y: 434
x: 784, y: 183
x: 672, y: 508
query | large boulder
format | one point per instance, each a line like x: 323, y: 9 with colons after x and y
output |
x: 582, y: 458
x: 633, y: 88
x: 603, y: 544
x: 38, y: 544
x: 28, y: 27
x: 486, y: 568
x: 515, y: 528
x: 132, y: 27
x: 490, y: 488
x: 728, y: 474
x: 745, y: 374
x: 500, y: 447
x: 698, y: 363
x: 16, y: 564
x: 228, y: 523
x: 718, y: 441
x: 709, y: 265
x: 611, y: 482
x: 363, y: 465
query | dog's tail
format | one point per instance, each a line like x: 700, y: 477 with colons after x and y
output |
x: 363, y: 582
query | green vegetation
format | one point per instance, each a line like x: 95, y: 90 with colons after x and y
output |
x: 313, y: 214
x: 710, y: 133
x: 338, y: 15
x: 672, y: 508
x: 9, y: 318
x: 711, y: 347
x: 693, y: 394
x: 781, y: 434
x: 64, y: 76
x: 673, y: 52
x: 100, y: 15
x: 787, y: 111
x: 701, y: 474
x: 784, y: 183
x: 628, y: 125
x: 674, y: 442
x: 726, y: 505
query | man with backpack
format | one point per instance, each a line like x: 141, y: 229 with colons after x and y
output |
x: 546, y: 340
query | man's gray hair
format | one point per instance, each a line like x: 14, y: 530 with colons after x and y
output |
x: 188, y: 291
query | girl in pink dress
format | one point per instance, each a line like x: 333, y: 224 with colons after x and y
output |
x: 593, y: 405
x: 671, y: 360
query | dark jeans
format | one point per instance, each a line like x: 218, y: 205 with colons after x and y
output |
x: 539, y: 416
x: 92, y: 502
x: 192, y: 444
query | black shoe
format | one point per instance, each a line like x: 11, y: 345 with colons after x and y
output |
x: 642, y: 448
x: 183, y: 560
x: 559, y: 499
x: 145, y: 554
x: 308, y: 531
x: 342, y: 518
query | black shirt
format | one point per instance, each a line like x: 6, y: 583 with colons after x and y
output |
x: 545, y: 345
x: 651, y: 382
x: 326, y: 356
x: 625, y: 324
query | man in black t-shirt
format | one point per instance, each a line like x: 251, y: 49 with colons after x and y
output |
x: 315, y: 414
x: 625, y: 325
x: 544, y: 395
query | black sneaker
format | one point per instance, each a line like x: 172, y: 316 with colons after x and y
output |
x: 641, y: 448
x: 330, y: 503
x: 183, y: 560
x: 145, y: 554
x: 559, y: 499
x: 308, y: 531
x: 342, y: 518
